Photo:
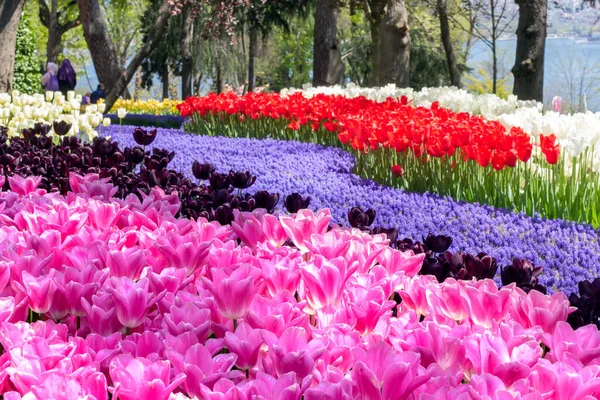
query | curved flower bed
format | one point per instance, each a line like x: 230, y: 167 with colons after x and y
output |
x: 104, y: 296
x: 569, y: 252
x: 419, y: 149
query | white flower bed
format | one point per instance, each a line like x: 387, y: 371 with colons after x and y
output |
x: 20, y: 111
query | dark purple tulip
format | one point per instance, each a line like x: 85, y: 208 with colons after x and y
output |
x: 294, y: 202
x: 219, y: 181
x: 223, y: 214
x: 44, y: 142
x: 523, y: 273
x: 438, y: 244
x: 202, y: 171
x: 241, y: 179
x: 263, y: 199
x: 41, y: 128
x: 144, y: 137
x: 61, y: 127
x: 407, y: 244
x: 29, y: 134
x: 481, y: 266
x: 359, y: 218
x: 135, y: 155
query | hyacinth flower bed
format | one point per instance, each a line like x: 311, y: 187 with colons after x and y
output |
x: 104, y: 296
x: 569, y: 252
x: 420, y: 149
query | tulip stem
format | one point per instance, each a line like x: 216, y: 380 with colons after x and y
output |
x: 235, y: 324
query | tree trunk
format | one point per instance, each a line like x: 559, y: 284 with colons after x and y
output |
x: 252, y: 50
x: 187, y: 59
x: 10, y: 16
x: 394, y: 45
x: 375, y: 53
x: 156, y: 32
x: 531, y: 40
x: 447, y: 43
x: 102, y: 49
x: 165, y: 81
x: 56, y: 30
x: 53, y: 47
x: 328, y: 68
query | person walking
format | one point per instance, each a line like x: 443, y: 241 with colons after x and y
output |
x: 67, y: 78
x: 97, y: 94
x: 50, y: 79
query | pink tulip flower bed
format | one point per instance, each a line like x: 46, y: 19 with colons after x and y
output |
x: 103, y: 296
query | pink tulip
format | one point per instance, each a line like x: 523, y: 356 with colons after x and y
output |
x: 245, y: 343
x: 292, y: 352
x: 568, y: 345
x: 40, y: 291
x: 546, y: 311
x: 7, y: 306
x: 128, y: 263
x: 59, y: 385
x: 341, y: 390
x: 224, y: 389
x: 189, y: 317
x: 285, y: 387
x: 487, y: 306
x: 103, y: 215
x: 138, y: 378
x: 101, y: 314
x: 325, y: 281
x: 396, y: 261
x: 24, y: 186
x: 132, y: 300
x: 233, y: 292
x: 273, y: 230
x: 92, y: 186
x: 281, y: 274
x: 330, y: 245
x: 369, y: 310
x: 202, y: 369
x: 189, y: 256
x: 449, y: 300
x: 299, y: 227
x: 249, y: 226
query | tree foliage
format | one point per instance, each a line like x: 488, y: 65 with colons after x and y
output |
x: 27, y: 73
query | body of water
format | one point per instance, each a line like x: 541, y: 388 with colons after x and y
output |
x: 572, y: 68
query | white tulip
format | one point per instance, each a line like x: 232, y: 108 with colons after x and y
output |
x: 70, y: 95
x: 4, y: 98
x: 101, y: 108
x: 49, y: 96
x: 95, y: 120
x: 121, y: 113
x: 106, y: 122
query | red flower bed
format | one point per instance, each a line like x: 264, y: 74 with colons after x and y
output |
x: 394, y: 124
